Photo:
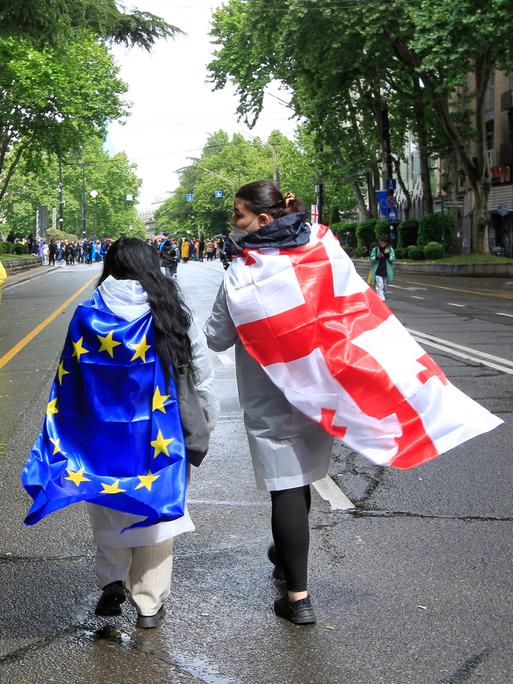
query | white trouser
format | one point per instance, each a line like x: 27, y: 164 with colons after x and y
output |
x: 145, y: 570
x: 381, y: 287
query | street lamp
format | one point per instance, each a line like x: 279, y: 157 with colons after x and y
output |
x: 214, y: 173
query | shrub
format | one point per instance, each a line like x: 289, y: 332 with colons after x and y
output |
x: 360, y: 251
x: 7, y: 247
x: 382, y: 227
x: 345, y: 232
x: 366, y: 232
x: 433, y: 250
x: 415, y: 252
x: 437, y: 228
x: 20, y: 248
x: 399, y: 253
x: 407, y: 232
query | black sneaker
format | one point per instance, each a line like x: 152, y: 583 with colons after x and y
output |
x: 113, y: 595
x: 278, y: 573
x: 299, y: 612
x: 151, y: 621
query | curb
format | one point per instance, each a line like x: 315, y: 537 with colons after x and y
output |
x: 28, y: 274
x: 470, y: 270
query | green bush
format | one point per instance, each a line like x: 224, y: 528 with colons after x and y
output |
x: 382, y: 227
x: 437, y: 228
x: 407, y: 232
x: 20, y: 248
x: 360, y: 251
x: 415, y: 252
x: 55, y: 234
x: 6, y: 247
x: 366, y: 232
x: 345, y: 232
x: 400, y: 253
x: 433, y: 250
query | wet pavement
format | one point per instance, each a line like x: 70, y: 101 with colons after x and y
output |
x: 413, y: 586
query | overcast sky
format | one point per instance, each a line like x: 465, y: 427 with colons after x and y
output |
x: 173, y: 107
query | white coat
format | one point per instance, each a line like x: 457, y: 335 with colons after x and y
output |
x: 288, y: 449
x: 128, y: 300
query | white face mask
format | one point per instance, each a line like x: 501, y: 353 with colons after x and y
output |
x: 238, y: 234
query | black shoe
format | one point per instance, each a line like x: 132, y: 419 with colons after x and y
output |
x: 151, y: 621
x: 299, y: 612
x: 113, y: 595
x: 278, y: 573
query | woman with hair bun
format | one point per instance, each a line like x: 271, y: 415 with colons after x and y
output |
x: 289, y: 451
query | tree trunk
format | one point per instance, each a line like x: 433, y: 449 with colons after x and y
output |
x: 373, y: 202
x: 362, y: 207
x: 476, y: 170
x: 422, y: 139
x: 406, y: 192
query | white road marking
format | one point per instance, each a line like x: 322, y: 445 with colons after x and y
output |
x: 332, y: 493
x: 225, y: 359
x: 498, y: 313
x: 415, y: 297
x: 459, y: 350
x: 461, y: 306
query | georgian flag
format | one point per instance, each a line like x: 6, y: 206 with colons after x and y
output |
x: 341, y: 357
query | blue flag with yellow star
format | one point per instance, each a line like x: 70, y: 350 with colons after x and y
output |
x: 112, y: 434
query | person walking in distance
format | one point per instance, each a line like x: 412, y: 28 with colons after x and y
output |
x: 381, y: 257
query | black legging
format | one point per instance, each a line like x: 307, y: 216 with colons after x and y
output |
x: 291, y: 533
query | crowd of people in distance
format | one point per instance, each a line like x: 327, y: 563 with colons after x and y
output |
x: 190, y: 249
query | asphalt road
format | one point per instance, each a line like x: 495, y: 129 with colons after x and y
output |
x: 412, y: 586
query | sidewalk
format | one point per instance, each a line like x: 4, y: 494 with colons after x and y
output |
x: 30, y: 273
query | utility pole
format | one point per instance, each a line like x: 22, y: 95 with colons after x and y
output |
x: 61, y: 201
x: 84, y: 201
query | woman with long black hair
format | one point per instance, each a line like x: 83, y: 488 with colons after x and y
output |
x: 115, y: 435
x: 139, y: 561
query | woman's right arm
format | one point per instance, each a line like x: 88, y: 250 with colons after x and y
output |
x: 219, y: 328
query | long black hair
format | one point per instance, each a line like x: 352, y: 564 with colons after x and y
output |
x: 265, y: 197
x: 133, y: 259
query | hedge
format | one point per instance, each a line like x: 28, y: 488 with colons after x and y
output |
x: 407, y: 232
x: 437, y: 228
x: 415, y: 252
x: 366, y: 232
x: 433, y: 250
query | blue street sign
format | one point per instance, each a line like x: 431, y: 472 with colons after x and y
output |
x: 390, y: 184
x: 218, y: 194
x: 381, y: 197
x: 189, y: 197
x: 503, y: 209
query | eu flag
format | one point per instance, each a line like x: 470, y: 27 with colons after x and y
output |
x: 112, y: 433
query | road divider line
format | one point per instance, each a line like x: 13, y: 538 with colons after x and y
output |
x: 4, y: 360
x: 498, y: 313
x: 331, y: 492
x: 497, y: 295
x: 495, y: 362
x: 460, y: 306
x: 416, y: 297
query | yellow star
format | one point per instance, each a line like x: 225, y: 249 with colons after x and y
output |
x: 108, y: 344
x: 147, y: 481
x: 56, y: 446
x: 160, y: 444
x: 77, y: 476
x: 61, y: 372
x: 140, y: 350
x: 79, y: 349
x: 112, y: 489
x: 52, y: 407
x: 158, y: 401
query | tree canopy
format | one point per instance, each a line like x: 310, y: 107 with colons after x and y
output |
x: 54, y: 22
x: 350, y: 65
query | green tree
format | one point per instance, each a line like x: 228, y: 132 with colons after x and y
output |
x: 53, y: 22
x: 109, y: 213
x: 51, y: 101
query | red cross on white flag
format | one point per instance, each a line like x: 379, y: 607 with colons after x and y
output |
x: 314, y: 214
x: 341, y: 357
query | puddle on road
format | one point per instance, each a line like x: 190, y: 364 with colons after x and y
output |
x: 199, y: 668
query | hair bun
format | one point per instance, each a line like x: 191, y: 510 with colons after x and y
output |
x: 289, y: 198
